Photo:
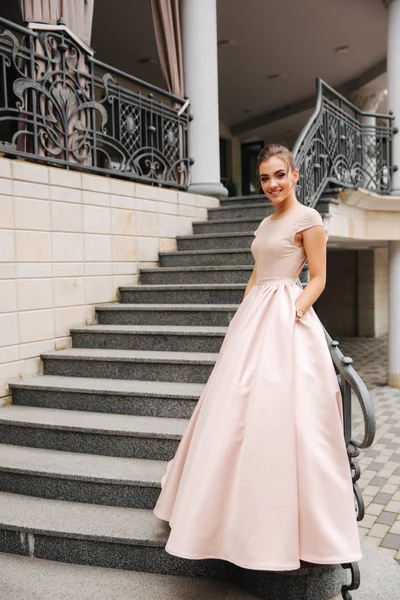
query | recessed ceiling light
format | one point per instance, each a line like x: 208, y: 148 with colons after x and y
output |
x: 342, y: 49
x: 150, y: 60
x: 227, y: 43
x: 275, y: 76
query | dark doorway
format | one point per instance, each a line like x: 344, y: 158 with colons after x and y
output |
x: 249, y: 167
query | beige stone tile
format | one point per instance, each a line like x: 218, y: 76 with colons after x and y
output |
x: 31, y: 190
x: 95, y: 198
x: 7, y: 252
x: 166, y: 196
x: 207, y: 202
x: 123, y: 248
x: 201, y: 214
x: 168, y: 226
x: 367, y: 499
x: 187, y: 199
x: 368, y: 521
x: 393, y: 506
x: 25, y: 171
x: 8, y: 329
x: 100, y: 289
x: 63, y: 343
x: 9, y: 353
x: 123, y: 202
x: 32, y: 214
x: 123, y: 280
x: 67, y: 247
x: 5, y: 401
x: 362, y: 531
x: 147, y: 191
x: 34, y: 294
x: 167, y: 245
x: 66, y: 194
x: 35, y: 349
x: 375, y: 509
x: 96, y: 183
x: 185, y: 225
x: 97, y: 247
x: 8, y: 296
x: 5, y: 167
x: 372, y: 490
x: 396, y: 494
x: 66, y: 318
x: 36, y: 325
x: 33, y: 246
x: 147, y: 224
x: 379, y: 530
x: 124, y: 268
x: 8, y: 372
x: 122, y: 188
x: 6, y: 212
x: 98, y: 268
x: 6, y: 187
x: 395, y: 528
x: 123, y: 221
x: 96, y: 219
x: 188, y: 211
x: 75, y: 269
x: 7, y: 270
x: 66, y: 217
x: 395, y: 479
x: 30, y: 367
x: 167, y: 208
x: 385, y: 473
x: 33, y: 270
x: 389, y: 488
x: 147, y: 249
x: 69, y: 291
x: 146, y: 205
x: 62, y: 177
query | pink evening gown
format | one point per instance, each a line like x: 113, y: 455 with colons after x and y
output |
x: 261, y: 477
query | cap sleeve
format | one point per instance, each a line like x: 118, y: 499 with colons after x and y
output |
x: 310, y: 219
x: 258, y: 228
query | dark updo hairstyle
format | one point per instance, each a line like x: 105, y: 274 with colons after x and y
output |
x: 276, y: 150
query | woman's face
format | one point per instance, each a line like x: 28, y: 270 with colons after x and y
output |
x: 277, y: 180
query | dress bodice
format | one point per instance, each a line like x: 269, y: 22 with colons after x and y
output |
x: 275, y: 253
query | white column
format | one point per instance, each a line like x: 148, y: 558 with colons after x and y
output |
x: 393, y: 73
x: 200, y: 67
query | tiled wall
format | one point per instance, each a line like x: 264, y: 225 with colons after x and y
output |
x: 67, y: 242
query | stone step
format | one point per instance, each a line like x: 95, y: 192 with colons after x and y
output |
x: 117, y: 396
x: 168, y: 338
x: 250, y: 199
x: 213, y: 315
x: 183, y: 275
x: 197, y: 258
x: 52, y: 580
x: 215, y: 293
x: 58, y: 475
x: 225, y: 225
x: 186, y: 367
x: 91, y: 433
x: 249, y: 210
x: 214, y: 241
x: 105, y: 536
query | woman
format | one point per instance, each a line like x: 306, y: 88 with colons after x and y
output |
x: 261, y: 476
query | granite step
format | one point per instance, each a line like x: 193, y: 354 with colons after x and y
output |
x: 225, y: 225
x: 183, y: 275
x: 198, y: 258
x: 214, y: 241
x: 207, y: 315
x: 115, y: 396
x: 249, y: 199
x: 91, y: 433
x: 242, y: 210
x: 52, y: 580
x: 76, y: 477
x: 185, y: 367
x: 105, y: 536
x: 169, y: 338
x: 190, y: 293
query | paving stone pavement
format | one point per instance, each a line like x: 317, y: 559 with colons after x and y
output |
x: 380, y: 464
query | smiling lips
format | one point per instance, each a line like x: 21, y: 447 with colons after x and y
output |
x: 275, y: 193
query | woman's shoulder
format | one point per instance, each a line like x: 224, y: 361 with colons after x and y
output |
x: 308, y: 217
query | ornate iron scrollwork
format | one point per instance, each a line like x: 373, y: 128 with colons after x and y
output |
x: 61, y: 106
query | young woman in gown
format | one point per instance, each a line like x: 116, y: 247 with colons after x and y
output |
x: 261, y: 477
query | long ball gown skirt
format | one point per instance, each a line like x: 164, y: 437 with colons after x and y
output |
x: 261, y: 477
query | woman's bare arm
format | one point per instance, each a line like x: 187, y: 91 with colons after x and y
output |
x: 251, y: 282
x: 314, y: 242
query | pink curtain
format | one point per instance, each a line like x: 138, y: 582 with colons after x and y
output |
x: 78, y: 14
x: 169, y: 43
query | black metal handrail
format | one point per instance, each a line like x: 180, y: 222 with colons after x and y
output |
x: 343, y: 145
x: 61, y: 106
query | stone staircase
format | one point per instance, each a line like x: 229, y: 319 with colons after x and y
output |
x: 83, y: 447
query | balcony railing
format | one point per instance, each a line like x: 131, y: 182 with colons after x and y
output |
x: 344, y: 146
x: 61, y: 106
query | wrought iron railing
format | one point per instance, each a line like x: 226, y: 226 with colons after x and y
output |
x: 343, y: 145
x: 60, y: 105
